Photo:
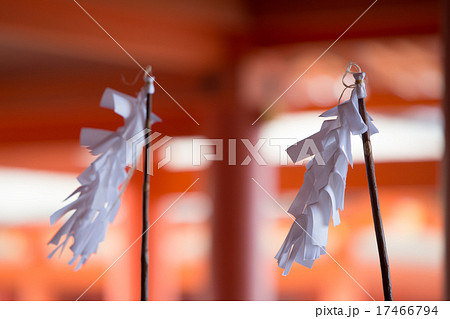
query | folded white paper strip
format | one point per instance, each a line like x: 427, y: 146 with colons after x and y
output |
x: 322, y: 192
x: 99, y: 194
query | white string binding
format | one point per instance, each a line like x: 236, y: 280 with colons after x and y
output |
x: 349, y: 71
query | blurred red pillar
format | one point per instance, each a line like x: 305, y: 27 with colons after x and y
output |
x: 233, y: 243
x: 446, y: 164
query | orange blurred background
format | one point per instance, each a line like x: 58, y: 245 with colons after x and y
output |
x: 225, y: 62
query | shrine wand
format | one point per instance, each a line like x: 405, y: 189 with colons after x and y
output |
x: 146, y: 186
x: 321, y: 196
x: 373, y: 191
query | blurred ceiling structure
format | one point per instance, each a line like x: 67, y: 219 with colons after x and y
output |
x: 49, y: 48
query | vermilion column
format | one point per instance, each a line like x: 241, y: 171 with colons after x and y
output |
x: 446, y: 162
x: 233, y: 218
x: 236, y: 222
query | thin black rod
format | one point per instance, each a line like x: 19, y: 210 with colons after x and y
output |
x: 145, y: 200
x: 373, y: 191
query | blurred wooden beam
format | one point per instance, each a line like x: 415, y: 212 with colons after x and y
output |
x: 285, y: 21
x: 168, y: 36
x: 65, y: 61
x: 391, y: 174
x: 56, y: 101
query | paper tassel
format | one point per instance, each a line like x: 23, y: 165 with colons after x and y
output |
x: 99, y: 194
x: 322, y: 192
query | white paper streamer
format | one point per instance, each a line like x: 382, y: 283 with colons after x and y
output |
x: 322, y: 192
x: 99, y: 194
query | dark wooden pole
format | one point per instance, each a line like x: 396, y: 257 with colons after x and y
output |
x: 145, y: 200
x: 370, y: 169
